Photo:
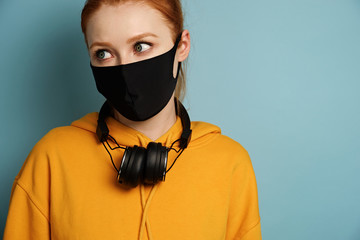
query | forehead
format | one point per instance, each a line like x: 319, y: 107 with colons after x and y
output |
x: 125, y: 20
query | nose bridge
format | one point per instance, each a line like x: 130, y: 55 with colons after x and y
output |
x: 124, y: 57
x: 120, y: 55
x: 121, y: 58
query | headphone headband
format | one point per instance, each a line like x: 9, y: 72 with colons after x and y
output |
x: 185, y: 122
x: 140, y: 164
x: 102, y: 130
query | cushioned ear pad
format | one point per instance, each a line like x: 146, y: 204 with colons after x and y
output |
x: 151, y: 163
x: 155, y: 165
x: 132, y: 169
x: 124, y: 164
x: 162, y: 168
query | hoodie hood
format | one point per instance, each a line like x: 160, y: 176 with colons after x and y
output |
x: 126, y: 136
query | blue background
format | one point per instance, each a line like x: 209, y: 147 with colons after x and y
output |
x: 280, y: 77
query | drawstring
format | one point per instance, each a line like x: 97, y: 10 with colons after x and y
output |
x: 147, y: 224
x: 145, y: 207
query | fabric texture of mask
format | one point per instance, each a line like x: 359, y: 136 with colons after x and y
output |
x: 139, y: 90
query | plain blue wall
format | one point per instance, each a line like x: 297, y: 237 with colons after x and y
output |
x: 281, y: 77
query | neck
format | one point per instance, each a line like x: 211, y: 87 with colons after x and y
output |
x: 156, y: 126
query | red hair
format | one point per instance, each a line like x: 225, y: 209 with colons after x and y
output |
x: 170, y: 9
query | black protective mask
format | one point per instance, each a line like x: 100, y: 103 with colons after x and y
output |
x: 139, y: 90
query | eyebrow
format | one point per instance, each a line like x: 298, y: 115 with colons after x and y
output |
x: 140, y: 36
x: 130, y: 40
x: 99, y: 44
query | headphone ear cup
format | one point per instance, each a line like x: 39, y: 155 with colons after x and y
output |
x: 132, y: 166
x: 124, y: 164
x: 155, y: 166
x: 163, y: 163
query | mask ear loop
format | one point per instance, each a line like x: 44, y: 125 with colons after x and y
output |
x: 177, y: 41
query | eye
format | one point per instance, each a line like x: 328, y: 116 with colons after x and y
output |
x: 141, y: 47
x: 102, y: 54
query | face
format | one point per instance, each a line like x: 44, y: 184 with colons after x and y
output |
x: 126, y: 33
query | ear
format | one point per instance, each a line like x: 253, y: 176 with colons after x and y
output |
x: 184, y: 46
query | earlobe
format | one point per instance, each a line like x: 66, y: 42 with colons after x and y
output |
x: 184, y: 46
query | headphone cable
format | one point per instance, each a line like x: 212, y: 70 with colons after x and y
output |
x: 182, y: 149
x: 112, y: 161
x: 118, y: 146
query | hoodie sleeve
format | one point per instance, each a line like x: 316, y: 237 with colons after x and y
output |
x: 28, y: 215
x: 244, y: 218
x: 25, y: 219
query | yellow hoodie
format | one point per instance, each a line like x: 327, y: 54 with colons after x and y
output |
x: 67, y: 189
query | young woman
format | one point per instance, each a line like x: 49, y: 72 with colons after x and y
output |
x: 138, y: 169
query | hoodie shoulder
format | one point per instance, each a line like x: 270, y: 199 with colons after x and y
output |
x: 88, y: 122
x: 78, y: 131
x: 209, y: 135
x: 203, y: 132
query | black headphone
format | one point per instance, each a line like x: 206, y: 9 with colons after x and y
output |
x: 139, y: 164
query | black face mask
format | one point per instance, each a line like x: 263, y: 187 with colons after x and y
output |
x: 139, y: 90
